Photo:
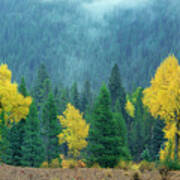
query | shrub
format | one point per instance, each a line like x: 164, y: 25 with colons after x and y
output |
x: 145, y: 165
x: 44, y: 164
x: 55, y: 163
x: 127, y: 165
x: 171, y: 164
x: 96, y: 165
x: 123, y: 165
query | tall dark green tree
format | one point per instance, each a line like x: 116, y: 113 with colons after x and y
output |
x: 117, y: 91
x: 42, y: 86
x: 137, y: 129
x: 157, y: 139
x: 32, y: 149
x: 122, y: 130
x: 51, y: 128
x: 75, y: 98
x: 86, y: 97
x: 5, y: 146
x: 22, y: 87
x: 12, y: 143
x: 104, y: 141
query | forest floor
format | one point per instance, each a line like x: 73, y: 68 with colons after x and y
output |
x: 18, y: 173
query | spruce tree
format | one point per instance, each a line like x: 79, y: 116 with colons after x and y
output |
x: 51, y: 128
x: 104, y: 140
x: 86, y: 98
x: 122, y: 130
x: 137, y: 131
x: 32, y: 149
x: 42, y: 86
x: 117, y: 91
x: 75, y: 99
x: 5, y: 146
x: 64, y: 99
x: 22, y: 87
x: 157, y: 139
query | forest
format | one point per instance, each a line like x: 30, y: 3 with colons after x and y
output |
x: 76, y: 46
x: 90, y: 85
x: 61, y: 127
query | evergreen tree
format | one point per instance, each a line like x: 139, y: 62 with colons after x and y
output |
x: 157, y: 139
x: 104, y: 141
x: 75, y: 99
x: 5, y: 148
x: 86, y: 98
x: 51, y: 128
x: 32, y: 149
x: 42, y: 86
x: 116, y: 89
x: 137, y: 131
x: 22, y: 88
x: 122, y: 130
x: 12, y: 143
x: 64, y: 99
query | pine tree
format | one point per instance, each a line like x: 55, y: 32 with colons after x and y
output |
x: 22, y: 87
x: 51, y: 128
x: 64, y: 99
x: 5, y: 148
x: 86, y: 98
x: 116, y: 89
x: 104, y: 141
x: 42, y: 86
x: 32, y: 149
x: 122, y: 129
x: 137, y: 131
x: 12, y: 141
x: 75, y: 99
x: 157, y: 139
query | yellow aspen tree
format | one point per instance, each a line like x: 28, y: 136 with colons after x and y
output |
x: 13, y: 104
x: 163, y: 100
x: 75, y: 130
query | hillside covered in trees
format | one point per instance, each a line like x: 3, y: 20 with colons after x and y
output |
x: 90, y: 85
x: 77, y: 44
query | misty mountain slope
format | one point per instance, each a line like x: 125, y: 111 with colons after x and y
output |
x: 77, y: 43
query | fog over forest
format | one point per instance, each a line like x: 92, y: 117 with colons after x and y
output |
x: 81, y: 40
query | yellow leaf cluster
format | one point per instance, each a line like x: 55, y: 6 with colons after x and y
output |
x: 75, y: 130
x: 163, y: 96
x: 130, y: 108
x: 163, y: 100
x: 14, y: 105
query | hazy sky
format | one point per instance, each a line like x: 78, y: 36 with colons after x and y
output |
x: 100, y: 7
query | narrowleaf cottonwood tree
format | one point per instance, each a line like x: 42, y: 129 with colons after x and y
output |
x: 163, y: 100
x: 75, y: 130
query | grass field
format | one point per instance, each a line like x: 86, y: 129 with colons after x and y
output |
x: 18, y: 173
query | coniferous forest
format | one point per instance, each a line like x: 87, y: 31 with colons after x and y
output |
x: 85, y: 87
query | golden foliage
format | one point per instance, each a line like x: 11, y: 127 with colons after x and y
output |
x: 72, y: 163
x: 55, y: 163
x: 44, y: 164
x: 75, y: 130
x: 130, y: 108
x: 163, y: 100
x: 13, y: 104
